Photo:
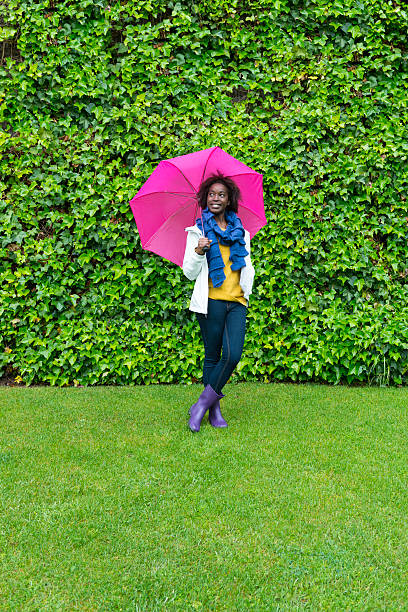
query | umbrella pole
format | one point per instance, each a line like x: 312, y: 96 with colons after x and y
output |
x: 205, y: 249
x: 201, y: 215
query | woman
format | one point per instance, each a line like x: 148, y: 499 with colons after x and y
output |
x: 217, y: 257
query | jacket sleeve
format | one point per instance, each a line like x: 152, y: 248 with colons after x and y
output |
x: 248, y: 279
x: 193, y: 262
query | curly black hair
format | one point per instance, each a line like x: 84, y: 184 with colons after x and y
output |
x: 234, y: 194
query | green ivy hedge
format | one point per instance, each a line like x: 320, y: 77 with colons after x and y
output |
x: 313, y: 94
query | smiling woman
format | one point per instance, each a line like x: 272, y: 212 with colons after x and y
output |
x: 217, y: 257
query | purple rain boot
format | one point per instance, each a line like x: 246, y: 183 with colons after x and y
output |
x: 215, y: 417
x: 198, y: 410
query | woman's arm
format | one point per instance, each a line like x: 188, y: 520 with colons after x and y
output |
x: 192, y: 262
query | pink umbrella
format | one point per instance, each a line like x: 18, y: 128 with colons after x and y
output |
x: 167, y: 202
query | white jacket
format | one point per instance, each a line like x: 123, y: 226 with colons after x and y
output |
x: 195, y: 267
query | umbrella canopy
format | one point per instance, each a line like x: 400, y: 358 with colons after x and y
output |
x: 167, y: 202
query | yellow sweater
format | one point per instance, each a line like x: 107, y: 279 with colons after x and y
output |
x: 230, y: 289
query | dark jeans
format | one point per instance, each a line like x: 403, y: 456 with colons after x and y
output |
x: 222, y: 328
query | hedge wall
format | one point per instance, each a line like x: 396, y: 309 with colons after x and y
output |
x: 312, y: 93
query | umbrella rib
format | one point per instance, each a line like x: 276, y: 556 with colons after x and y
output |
x: 206, y: 163
x: 185, y: 195
x: 182, y: 173
x: 246, y: 173
x: 145, y: 195
x: 148, y: 242
x: 258, y: 215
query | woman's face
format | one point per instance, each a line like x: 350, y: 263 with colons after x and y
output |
x: 217, y: 198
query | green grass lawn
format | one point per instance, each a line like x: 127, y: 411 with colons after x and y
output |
x: 109, y: 502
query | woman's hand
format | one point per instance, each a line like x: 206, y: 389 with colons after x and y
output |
x: 203, y: 243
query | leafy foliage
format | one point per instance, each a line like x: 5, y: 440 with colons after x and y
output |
x: 311, y: 93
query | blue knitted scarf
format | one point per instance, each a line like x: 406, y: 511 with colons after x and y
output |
x: 233, y: 236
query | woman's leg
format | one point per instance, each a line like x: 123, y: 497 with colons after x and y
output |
x: 224, y: 326
x: 232, y: 345
x: 212, y: 331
